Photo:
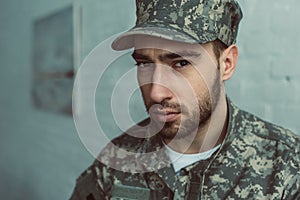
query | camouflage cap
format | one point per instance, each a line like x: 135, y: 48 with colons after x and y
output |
x: 191, y: 21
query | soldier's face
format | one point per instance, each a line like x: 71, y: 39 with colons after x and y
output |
x: 174, y: 89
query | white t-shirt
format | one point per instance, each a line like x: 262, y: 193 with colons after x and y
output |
x: 180, y: 160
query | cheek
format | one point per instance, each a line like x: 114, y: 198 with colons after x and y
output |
x: 200, y: 88
x: 144, y: 76
x: 197, y: 87
x: 145, y: 90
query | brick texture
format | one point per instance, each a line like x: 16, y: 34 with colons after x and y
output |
x: 267, y: 80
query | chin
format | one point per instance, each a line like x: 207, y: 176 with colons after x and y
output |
x: 168, y: 133
x: 181, y: 130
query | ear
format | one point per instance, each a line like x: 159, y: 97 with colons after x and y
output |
x: 228, y: 62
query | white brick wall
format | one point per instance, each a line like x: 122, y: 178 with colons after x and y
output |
x: 267, y: 81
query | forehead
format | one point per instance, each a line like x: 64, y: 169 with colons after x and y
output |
x: 148, y: 44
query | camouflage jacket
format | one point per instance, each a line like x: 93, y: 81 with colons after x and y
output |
x: 257, y: 160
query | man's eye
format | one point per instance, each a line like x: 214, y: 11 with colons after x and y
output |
x: 182, y: 63
x: 144, y: 64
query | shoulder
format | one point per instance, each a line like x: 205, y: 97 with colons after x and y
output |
x: 262, y: 135
x: 88, y: 186
x: 134, y: 138
x: 266, y: 148
x: 133, y: 151
x: 269, y: 131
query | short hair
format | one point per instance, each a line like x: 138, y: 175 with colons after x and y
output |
x: 218, y: 48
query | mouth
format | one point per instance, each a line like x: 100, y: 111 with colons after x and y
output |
x: 165, y: 115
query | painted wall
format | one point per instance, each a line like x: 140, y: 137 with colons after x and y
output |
x: 40, y: 152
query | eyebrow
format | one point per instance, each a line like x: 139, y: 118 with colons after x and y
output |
x: 166, y: 56
x: 138, y: 56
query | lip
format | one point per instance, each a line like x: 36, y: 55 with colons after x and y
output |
x: 166, y: 116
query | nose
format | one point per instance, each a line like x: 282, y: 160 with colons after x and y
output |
x: 160, y: 87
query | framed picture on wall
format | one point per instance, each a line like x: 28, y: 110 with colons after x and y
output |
x: 56, y: 57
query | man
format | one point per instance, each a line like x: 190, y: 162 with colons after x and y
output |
x: 196, y: 144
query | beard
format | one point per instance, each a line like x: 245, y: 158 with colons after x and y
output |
x: 192, y: 118
x: 188, y: 122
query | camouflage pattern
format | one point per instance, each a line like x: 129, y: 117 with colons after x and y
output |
x: 191, y: 21
x: 257, y: 160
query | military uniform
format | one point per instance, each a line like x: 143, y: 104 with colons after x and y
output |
x: 257, y: 160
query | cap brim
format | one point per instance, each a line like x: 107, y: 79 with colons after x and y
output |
x: 126, y: 40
